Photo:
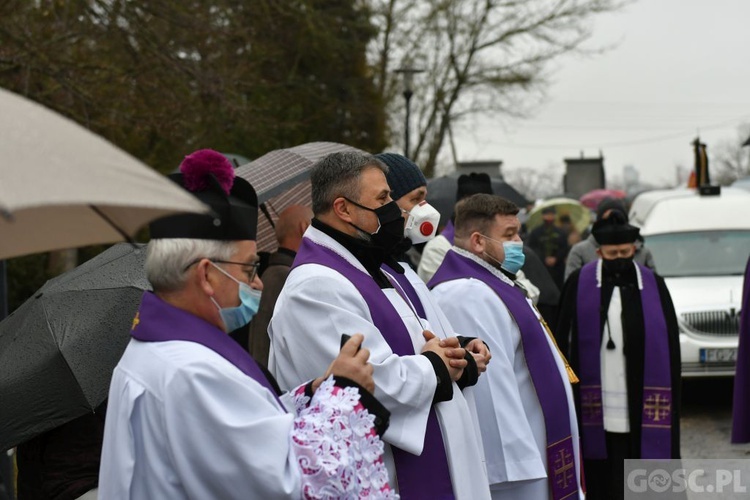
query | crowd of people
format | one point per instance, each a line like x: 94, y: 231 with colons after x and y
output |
x: 376, y: 358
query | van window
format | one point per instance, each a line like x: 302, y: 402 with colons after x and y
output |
x: 700, y: 253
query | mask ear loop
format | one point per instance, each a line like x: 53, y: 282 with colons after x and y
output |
x: 364, y: 208
x: 409, y: 223
x: 488, y: 255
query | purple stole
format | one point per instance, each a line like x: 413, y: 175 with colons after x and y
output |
x: 157, y: 321
x: 741, y: 404
x: 548, y: 383
x: 425, y: 476
x: 656, y: 425
x: 449, y: 232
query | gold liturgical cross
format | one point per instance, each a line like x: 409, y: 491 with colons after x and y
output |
x: 592, y: 406
x: 563, y: 469
x: 656, y: 407
x: 136, y: 320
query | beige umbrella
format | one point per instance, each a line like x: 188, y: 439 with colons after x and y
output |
x: 62, y: 186
x: 579, y: 214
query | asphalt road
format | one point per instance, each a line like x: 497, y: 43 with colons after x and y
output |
x: 706, y: 421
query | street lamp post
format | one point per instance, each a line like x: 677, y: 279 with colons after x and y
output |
x: 408, y: 74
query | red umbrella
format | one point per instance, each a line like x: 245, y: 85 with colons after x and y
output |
x: 593, y: 198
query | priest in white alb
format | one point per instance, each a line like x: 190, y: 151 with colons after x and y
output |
x: 337, y: 287
x: 191, y: 414
x: 524, y: 399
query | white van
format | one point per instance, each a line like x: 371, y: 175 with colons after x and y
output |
x: 700, y: 245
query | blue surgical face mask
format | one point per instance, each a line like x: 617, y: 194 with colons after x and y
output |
x: 239, y: 316
x: 514, y: 257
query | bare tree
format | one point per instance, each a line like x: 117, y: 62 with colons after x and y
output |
x: 478, y: 56
x: 730, y: 159
x: 533, y: 183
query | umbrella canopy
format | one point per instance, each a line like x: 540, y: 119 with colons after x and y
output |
x: 58, y: 350
x: 441, y: 194
x: 594, y: 197
x: 282, y: 178
x: 63, y: 186
x: 580, y: 215
x: 235, y: 159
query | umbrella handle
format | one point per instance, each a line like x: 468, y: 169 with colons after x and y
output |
x: 264, y: 209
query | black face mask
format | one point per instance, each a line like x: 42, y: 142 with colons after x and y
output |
x: 617, y: 266
x: 390, y: 230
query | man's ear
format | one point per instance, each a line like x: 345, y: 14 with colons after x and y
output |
x: 476, y: 243
x: 341, y: 209
x: 303, y: 227
x: 204, y: 278
x: 599, y: 252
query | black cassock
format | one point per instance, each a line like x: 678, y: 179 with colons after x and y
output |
x: 604, y: 478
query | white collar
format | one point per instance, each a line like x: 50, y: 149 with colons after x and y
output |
x: 495, y: 271
x: 322, y: 239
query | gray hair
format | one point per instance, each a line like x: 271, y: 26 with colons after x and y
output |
x: 168, y: 258
x: 337, y: 175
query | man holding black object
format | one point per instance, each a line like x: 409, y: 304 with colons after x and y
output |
x: 337, y: 285
x: 191, y: 414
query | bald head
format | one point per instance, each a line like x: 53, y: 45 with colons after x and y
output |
x: 291, y: 226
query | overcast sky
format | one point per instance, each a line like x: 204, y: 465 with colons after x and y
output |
x: 678, y: 67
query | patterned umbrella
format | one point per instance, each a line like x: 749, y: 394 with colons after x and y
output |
x: 282, y: 178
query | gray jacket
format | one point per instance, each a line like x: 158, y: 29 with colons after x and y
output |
x: 584, y: 252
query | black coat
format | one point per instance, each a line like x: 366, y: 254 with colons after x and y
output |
x: 633, y: 333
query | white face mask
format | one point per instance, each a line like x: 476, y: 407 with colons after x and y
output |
x: 422, y: 222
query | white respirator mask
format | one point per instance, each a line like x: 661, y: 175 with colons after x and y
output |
x: 422, y: 222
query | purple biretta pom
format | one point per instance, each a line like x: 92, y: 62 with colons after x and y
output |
x: 196, y: 167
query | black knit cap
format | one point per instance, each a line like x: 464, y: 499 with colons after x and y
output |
x: 209, y: 176
x: 403, y: 175
x: 614, y: 230
x: 473, y: 183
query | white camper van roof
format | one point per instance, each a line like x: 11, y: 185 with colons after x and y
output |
x: 684, y: 210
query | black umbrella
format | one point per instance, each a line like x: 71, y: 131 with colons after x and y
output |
x: 441, y: 194
x: 58, y: 350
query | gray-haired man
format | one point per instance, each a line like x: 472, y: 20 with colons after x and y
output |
x: 337, y: 287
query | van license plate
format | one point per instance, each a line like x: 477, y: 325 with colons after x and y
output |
x: 719, y: 355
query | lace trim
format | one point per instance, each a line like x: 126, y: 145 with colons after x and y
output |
x: 338, y: 451
x: 498, y: 273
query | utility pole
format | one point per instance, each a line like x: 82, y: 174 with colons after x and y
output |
x: 408, y: 74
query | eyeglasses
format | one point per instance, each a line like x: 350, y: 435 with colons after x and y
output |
x: 250, y: 269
